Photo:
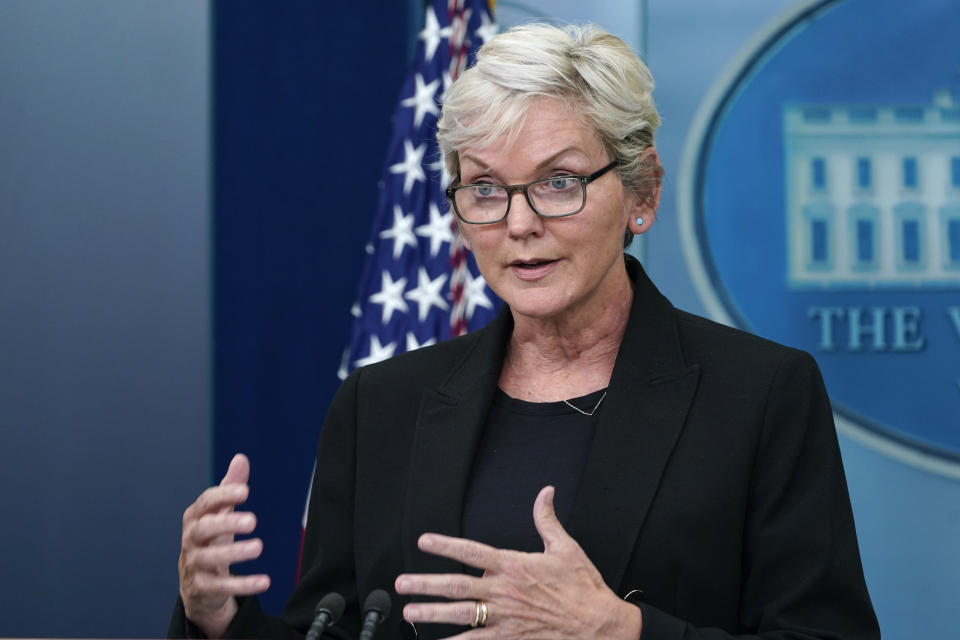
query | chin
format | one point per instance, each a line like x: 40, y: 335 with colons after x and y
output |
x: 532, y: 305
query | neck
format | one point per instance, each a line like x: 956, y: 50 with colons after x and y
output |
x: 553, y: 359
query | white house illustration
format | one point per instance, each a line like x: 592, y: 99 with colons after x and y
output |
x: 873, y: 194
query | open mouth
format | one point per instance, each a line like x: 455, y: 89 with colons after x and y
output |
x: 531, y: 264
x: 532, y: 269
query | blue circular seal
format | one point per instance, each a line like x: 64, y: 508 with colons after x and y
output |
x: 820, y: 207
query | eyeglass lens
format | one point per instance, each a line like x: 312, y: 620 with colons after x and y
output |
x: 557, y: 196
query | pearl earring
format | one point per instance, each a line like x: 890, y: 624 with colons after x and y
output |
x: 639, y: 222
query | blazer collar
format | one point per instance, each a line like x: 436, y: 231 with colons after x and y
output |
x: 649, y: 395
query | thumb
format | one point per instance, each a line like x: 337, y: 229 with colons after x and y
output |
x: 238, y: 472
x: 546, y: 522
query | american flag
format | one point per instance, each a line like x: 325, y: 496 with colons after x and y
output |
x: 419, y: 284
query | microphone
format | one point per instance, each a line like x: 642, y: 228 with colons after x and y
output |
x: 328, y: 611
x: 376, y: 608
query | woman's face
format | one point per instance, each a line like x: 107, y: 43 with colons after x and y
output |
x: 549, y: 268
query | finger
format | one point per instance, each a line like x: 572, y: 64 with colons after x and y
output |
x: 453, y: 586
x: 220, y: 556
x: 469, y: 552
x: 238, y: 472
x: 213, y: 525
x: 546, y: 522
x: 462, y: 613
x: 216, y: 499
x: 207, y: 584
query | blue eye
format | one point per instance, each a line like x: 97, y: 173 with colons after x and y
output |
x: 563, y: 186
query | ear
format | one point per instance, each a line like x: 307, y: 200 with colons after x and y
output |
x: 643, y: 211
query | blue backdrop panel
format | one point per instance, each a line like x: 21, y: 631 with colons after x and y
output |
x: 303, y: 93
x: 104, y: 307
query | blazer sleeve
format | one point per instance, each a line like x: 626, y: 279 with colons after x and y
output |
x: 802, y: 576
x: 327, y: 562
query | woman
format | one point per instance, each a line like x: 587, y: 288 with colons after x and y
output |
x: 686, y: 466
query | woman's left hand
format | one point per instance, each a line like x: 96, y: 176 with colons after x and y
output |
x: 555, y: 594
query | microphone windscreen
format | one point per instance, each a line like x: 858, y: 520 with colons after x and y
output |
x: 333, y: 604
x: 379, y: 601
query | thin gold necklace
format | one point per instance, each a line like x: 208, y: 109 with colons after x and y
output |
x: 537, y: 396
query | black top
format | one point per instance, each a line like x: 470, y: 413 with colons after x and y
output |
x: 525, y: 447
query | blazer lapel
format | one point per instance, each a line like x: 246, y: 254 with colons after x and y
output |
x: 648, y: 398
x: 449, y: 427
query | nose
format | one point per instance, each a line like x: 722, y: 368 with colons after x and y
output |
x: 522, y: 220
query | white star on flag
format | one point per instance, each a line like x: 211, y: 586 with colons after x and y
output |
x: 432, y: 34
x: 422, y: 100
x: 487, y: 29
x: 438, y: 230
x: 413, y: 345
x: 378, y: 353
x: 390, y: 295
x: 475, y: 294
x: 437, y: 167
x: 401, y: 232
x: 412, y: 159
x: 447, y: 81
x: 344, y: 370
x: 427, y: 293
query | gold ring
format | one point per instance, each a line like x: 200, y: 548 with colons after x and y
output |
x: 480, y: 615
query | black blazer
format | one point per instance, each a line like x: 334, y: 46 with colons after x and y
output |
x: 714, y: 483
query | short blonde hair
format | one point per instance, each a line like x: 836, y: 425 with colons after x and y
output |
x: 592, y: 71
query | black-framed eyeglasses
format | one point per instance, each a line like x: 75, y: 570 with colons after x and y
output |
x: 554, y: 197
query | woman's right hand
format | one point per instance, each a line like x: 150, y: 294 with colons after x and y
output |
x: 208, y: 548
